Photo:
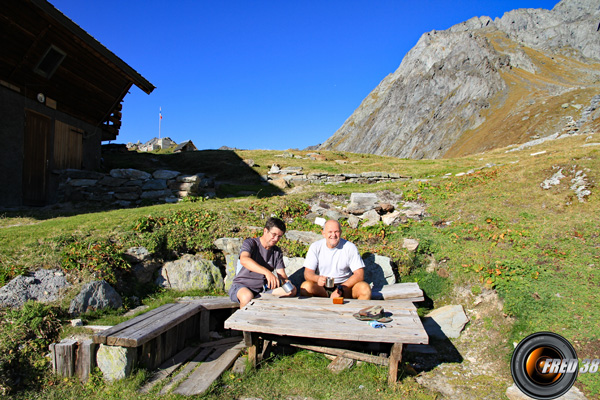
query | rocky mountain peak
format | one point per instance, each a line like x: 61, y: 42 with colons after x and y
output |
x: 469, y: 88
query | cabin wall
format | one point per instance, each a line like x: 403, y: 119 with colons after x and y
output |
x: 13, y: 109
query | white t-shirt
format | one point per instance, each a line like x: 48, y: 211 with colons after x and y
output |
x: 339, y: 262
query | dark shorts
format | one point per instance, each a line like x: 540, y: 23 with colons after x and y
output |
x: 235, y: 287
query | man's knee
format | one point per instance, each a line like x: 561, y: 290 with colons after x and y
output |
x: 308, y: 288
x: 362, y: 291
x: 244, y: 296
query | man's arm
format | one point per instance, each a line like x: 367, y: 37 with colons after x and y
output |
x: 247, y: 261
x: 282, y: 274
x: 310, y: 275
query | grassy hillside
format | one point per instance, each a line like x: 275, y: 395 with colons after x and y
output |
x: 493, y: 231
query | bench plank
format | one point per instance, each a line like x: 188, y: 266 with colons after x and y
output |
x: 142, y: 332
x: 201, y: 379
x: 189, y: 367
x: 406, y: 291
x: 100, y: 337
x: 215, y: 303
x: 355, y: 355
x: 168, y: 367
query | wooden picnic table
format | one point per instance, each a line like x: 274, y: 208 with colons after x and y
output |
x: 318, y: 318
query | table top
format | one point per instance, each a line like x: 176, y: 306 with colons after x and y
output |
x: 317, y: 317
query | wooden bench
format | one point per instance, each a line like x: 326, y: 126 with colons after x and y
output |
x: 161, y: 333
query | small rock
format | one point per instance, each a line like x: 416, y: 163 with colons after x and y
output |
x: 77, y: 322
x: 339, y: 364
x: 95, y: 295
x: 239, y: 367
x: 410, y: 244
x: 320, y: 221
x: 372, y: 217
x: 353, y: 221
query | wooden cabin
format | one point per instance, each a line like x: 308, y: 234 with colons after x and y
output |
x: 60, y: 98
x: 185, y: 146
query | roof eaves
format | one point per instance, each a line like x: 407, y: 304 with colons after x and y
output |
x: 67, y: 23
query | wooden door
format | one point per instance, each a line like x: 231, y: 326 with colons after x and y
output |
x: 36, y: 158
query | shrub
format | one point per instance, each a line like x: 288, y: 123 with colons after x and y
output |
x: 26, y: 334
x: 101, y: 257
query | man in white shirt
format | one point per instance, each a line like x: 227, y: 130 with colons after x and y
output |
x: 335, y: 258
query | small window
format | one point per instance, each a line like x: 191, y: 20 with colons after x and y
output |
x: 50, y: 62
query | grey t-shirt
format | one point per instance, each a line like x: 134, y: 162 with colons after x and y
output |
x: 271, y: 259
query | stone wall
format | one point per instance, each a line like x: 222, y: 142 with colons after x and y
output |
x: 294, y: 175
x: 129, y: 187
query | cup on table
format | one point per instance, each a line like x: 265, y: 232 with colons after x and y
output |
x: 329, y: 282
x: 288, y: 286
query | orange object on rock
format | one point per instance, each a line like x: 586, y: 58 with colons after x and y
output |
x: 338, y: 300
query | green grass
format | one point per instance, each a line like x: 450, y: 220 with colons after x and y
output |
x: 495, y: 229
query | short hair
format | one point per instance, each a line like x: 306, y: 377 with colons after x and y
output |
x: 275, y: 222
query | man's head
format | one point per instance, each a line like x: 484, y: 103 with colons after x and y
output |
x: 274, y: 230
x: 332, y: 232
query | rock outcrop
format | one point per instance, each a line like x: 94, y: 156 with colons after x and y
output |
x: 481, y: 84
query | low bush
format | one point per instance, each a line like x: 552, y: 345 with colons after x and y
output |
x: 26, y: 335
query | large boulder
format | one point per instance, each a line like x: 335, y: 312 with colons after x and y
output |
x: 362, y: 202
x: 93, y: 296
x: 190, y: 272
x: 303, y: 236
x: 231, y: 249
x: 294, y: 268
x: 43, y: 285
x: 116, y: 362
x: 379, y: 270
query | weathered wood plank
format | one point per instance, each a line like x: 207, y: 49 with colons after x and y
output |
x: 189, y: 367
x: 217, y: 303
x: 101, y: 336
x: 201, y: 379
x: 395, y: 359
x: 138, y: 334
x: 304, y: 321
x: 204, y: 325
x: 168, y: 367
x: 221, y: 342
x: 289, y: 313
x: 86, y: 359
x: 325, y: 304
x: 408, y: 290
x: 355, y: 355
x: 401, y: 329
x: 64, y: 357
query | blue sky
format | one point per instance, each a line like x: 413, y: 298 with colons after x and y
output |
x: 261, y: 74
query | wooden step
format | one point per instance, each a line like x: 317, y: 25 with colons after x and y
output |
x: 210, y: 370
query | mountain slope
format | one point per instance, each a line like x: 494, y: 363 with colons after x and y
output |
x: 483, y: 84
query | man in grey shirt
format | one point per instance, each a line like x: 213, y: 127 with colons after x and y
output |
x: 262, y: 265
